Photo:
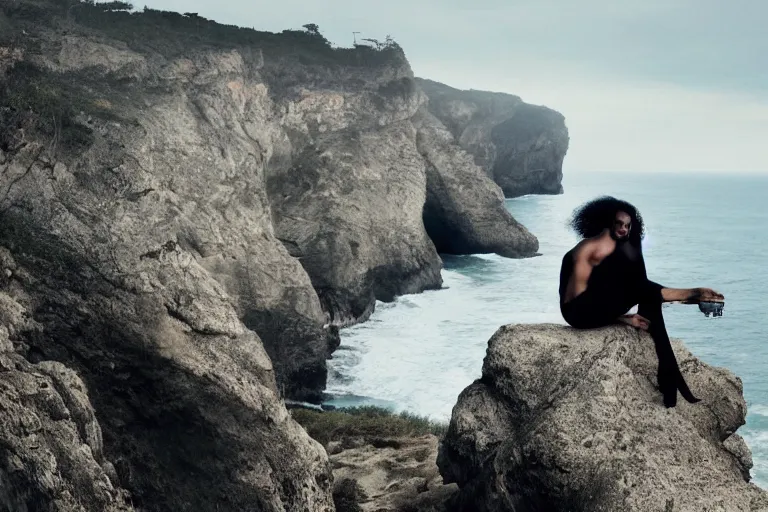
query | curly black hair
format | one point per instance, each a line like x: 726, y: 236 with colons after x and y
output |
x: 591, y: 218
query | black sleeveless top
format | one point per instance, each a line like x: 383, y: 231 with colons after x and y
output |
x: 566, y: 270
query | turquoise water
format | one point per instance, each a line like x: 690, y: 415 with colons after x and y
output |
x: 417, y: 353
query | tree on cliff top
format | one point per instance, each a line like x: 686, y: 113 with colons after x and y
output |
x: 312, y: 28
x: 115, y: 6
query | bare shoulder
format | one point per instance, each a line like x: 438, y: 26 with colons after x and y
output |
x: 585, y: 249
x: 592, y: 250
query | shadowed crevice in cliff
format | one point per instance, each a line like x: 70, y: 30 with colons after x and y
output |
x: 446, y: 230
x: 291, y: 343
x: 190, y: 421
x: 51, y: 448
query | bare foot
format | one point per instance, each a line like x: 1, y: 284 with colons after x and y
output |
x: 635, y: 321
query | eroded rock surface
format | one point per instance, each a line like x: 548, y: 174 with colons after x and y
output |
x: 178, y: 408
x: 52, y: 449
x: 393, y: 475
x: 464, y: 212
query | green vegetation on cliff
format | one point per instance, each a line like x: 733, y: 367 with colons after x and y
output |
x: 172, y: 34
x: 369, y: 423
x: 31, y: 101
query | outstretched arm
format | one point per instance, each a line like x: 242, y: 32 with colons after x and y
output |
x: 688, y: 295
x: 692, y: 295
x: 677, y: 294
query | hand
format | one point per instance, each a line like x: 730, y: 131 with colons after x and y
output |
x: 705, y: 295
x: 636, y: 321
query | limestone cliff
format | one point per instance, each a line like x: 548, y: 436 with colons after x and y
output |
x: 188, y: 212
x: 571, y: 420
x: 521, y: 146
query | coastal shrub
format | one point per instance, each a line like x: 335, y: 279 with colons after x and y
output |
x: 172, y: 34
x: 114, y: 6
x: 593, y: 490
x: 347, y: 495
x: 27, y: 12
x: 369, y: 423
x: 34, y: 102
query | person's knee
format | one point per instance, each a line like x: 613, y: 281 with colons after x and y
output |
x: 649, y: 307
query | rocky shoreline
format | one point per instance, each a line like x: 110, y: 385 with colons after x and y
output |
x: 561, y: 420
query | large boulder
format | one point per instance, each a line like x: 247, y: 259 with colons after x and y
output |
x: 563, y: 419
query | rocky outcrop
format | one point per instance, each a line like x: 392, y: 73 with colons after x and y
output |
x: 293, y: 178
x: 521, y: 146
x: 571, y: 420
x: 395, y: 475
x: 162, y: 192
x: 461, y: 212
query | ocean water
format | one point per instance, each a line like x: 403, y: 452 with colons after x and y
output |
x: 418, y: 353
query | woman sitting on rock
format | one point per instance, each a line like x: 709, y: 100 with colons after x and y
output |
x: 604, y: 276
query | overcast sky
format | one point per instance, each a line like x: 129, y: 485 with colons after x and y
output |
x: 651, y: 85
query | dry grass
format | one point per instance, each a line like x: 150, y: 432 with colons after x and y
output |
x: 368, y: 423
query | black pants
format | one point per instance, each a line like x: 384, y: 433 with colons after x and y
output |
x: 603, y: 305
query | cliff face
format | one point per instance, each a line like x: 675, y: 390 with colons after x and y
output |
x: 347, y: 186
x: 298, y: 178
x: 163, y: 404
x: 520, y: 146
x: 187, y: 214
x: 570, y: 420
